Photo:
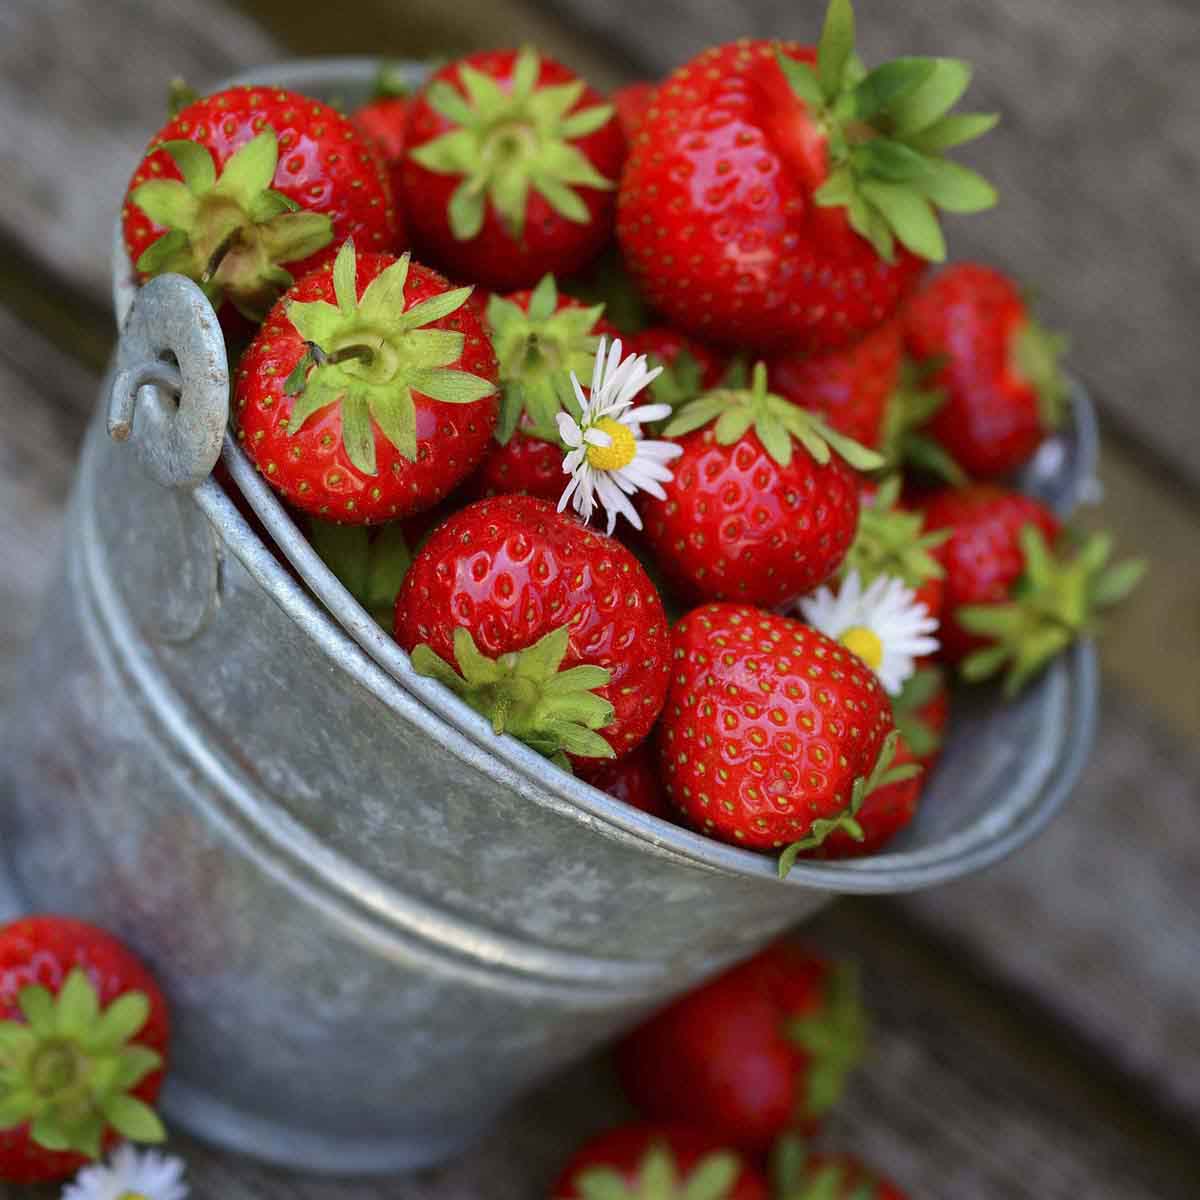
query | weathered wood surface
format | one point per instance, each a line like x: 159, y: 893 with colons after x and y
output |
x: 1096, y: 160
x: 1025, y: 1018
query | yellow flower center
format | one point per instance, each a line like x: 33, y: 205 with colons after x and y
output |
x: 866, y: 644
x: 617, y: 455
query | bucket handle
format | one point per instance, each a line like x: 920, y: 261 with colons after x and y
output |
x: 170, y: 395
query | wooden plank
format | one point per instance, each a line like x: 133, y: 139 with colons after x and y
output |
x: 1095, y: 209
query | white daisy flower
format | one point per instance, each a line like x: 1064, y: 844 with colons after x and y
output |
x: 886, y: 626
x: 608, y: 459
x: 130, y: 1174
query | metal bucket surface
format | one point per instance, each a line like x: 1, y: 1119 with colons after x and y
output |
x: 376, y: 921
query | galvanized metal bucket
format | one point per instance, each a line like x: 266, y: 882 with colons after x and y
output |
x: 376, y: 921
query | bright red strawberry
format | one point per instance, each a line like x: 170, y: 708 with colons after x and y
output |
x: 632, y: 103
x: 84, y: 1029
x: 750, y: 515
x: 249, y: 189
x: 762, y: 1049
x: 560, y: 636
x: 689, y: 367
x: 383, y: 121
x: 368, y: 393
x: 891, y: 540
x: 538, y: 336
x: 515, y: 161
x: 772, y: 735
x: 849, y: 388
x: 658, y: 1162
x: 769, y: 184
x: 998, y: 368
x: 1013, y: 601
x: 633, y: 780
x: 798, y: 1175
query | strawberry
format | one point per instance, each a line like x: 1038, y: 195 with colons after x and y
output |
x: 777, y: 196
x: 558, y: 633
x: 249, y: 189
x: 658, y: 1162
x: 632, y: 103
x: 633, y: 780
x: 538, y: 335
x: 772, y: 735
x: 996, y: 365
x: 84, y: 1036
x: 367, y: 394
x: 749, y: 515
x: 515, y: 161
x: 382, y: 121
x: 689, y: 367
x: 891, y: 541
x: 1011, y: 599
x: 798, y: 1175
x: 764, y: 1048
x: 849, y: 387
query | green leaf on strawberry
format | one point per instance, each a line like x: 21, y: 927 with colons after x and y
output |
x: 887, y: 131
x: 228, y: 231
x: 370, y: 354
x: 370, y: 566
x: 776, y: 421
x: 833, y: 1037
x: 919, y: 690
x: 795, y: 1176
x: 910, y: 408
x: 525, y: 694
x: 890, y: 541
x: 68, y: 1069
x: 508, y: 143
x: 659, y: 1178
x: 882, y: 774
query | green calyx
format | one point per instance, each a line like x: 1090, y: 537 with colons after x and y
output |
x: 1036, y: 356
x: 680, y: 382
x: 919, y: 689
x: 887, y: 132
x: 910, y: 408
x: 890, y: 541
x: 536, y: 348
x: 1055, y: 601
x: 507, y: 143
x: 776, y: 421
x: 371, y: 566
x: 834, y: 1038
x: 794, y: 1176
x: 229, y: 232
x: 882, y: 775
x: 370, y: 355
x: 526, y: 694
x: 659, y: 1178
x: 68, y: 1069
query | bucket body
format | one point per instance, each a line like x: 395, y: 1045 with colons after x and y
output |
x: 376, y: 922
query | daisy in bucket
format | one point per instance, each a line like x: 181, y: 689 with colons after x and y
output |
x: 885, y: 625
x: 608, y: 459
x: 130, y: 1174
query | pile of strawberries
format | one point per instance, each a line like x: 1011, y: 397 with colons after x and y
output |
x: 637, y: 420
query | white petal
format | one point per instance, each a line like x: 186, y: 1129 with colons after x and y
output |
x: 645, y: 413
x: 568, y: 429
x: 659, y: 451
x: 597, y: 437
x: 573, y: 461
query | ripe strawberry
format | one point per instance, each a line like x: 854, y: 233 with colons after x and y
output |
x: 997, y: 367
x: 767, y: 186
x: 84, y: 1036
x: 772, y: 735
x: 249, y: 189
x: 514, y: 160
x: 764, y: 1048
x: 632, y: 103
x: 382, y: 120
x: 891, y: 541
x: 850, y: 387
x: 798, y: 1175
x: 633, y: 780
x: 1010, y: 599
x: 658, y: 1162
x: 538, y: 336
x: 367, y: 394
x: 689, y: 367
x: 748, y: 515
x: 556, y: 629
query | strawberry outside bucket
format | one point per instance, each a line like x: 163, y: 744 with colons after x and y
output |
x: 377, y: 923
